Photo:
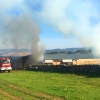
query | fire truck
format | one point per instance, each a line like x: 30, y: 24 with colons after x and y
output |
x: 5, y: 64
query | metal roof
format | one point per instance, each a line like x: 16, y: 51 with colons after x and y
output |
x: 67, y: 56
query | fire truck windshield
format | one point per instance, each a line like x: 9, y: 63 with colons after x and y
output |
x: 5, y: 61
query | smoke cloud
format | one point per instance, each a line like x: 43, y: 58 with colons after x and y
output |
x: 80, y: 18
x: 18, y: 29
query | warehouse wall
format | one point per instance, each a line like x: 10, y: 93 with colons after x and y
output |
x: 86, y: 62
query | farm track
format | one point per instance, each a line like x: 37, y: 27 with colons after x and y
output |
x: 8, y: 96
x: 13, y: 92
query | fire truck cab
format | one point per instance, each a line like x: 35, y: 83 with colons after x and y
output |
x: 5, y: 64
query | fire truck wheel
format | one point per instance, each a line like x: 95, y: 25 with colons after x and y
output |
x: 9, y: 71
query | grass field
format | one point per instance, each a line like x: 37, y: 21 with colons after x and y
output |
x: 30, y: 85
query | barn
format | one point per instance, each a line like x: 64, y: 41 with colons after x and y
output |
x: 20, y: 62
x: 65, y: 59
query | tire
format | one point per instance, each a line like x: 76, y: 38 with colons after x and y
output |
x: 8, y: 71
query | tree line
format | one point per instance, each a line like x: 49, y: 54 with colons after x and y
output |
x: 81, y: 51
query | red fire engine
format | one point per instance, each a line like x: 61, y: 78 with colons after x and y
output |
x: 5, y: 64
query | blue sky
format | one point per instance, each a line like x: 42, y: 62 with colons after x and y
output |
x: 63, y: 24
x: 53, y: 39
x: 83, y: 15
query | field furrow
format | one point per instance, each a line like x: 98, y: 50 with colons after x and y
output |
x: 34, y: 85
x: 8, y: 96
x: 18, y: 93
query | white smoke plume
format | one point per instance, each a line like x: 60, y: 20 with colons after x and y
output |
x: 80, y: 18
x: 18, y: 29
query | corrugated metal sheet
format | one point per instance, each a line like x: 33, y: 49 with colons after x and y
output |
x: 68, y: 56
x: 66, y: 60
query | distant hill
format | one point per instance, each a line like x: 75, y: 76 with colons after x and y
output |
x: 71, y: 50
x: 14, y: 50
x: 5, y: 51
x: 53, y: 51
x: 66, y: 49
